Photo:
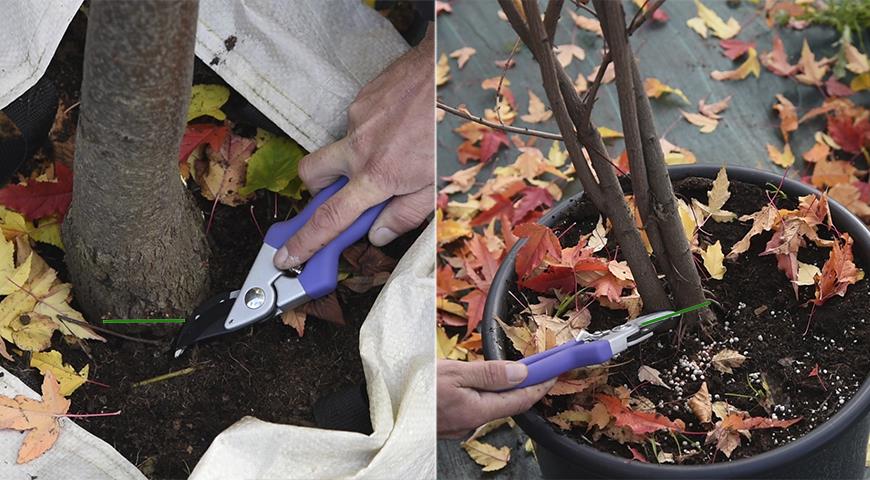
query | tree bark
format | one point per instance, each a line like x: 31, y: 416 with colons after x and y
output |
x: 576, y: 128
x: 134, y: 238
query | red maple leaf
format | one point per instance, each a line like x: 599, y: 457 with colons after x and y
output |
x: 532, y: 199
x: 555, y: 277
x: 197, y: 134
x: 503, y: 206
x: 475, y: 300
x: 540, y: 242
x: 40, y: 199
x: 640, y: 423
x: 851, y: 135
x: 734, y: 49
x: 835, y: 88
x: 447, y: 282
x: 490, y: 144
x: 442, y: 7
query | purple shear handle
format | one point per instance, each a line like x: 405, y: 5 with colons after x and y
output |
x: 568, y: 356
x: 320, y: 275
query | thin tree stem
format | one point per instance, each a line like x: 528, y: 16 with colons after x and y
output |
x: 506, y: 128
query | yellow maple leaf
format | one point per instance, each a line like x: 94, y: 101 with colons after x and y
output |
x: 207, y: 100
x: 860, y: 83
x: 784, y: 158
x: 11, y: 276
x: 462, y: 55
x: 32, y: 332
x: 713, y: 260
x: 450, y: 230
x: 608, y: 133
x: 704, y: 123
x: 537, y: 110
x: 750, y: 66
x: 446, y: 346
x: 486, y: 455
x: 654, y: 88
x: 442, y: 70
x: 41, y: 294
x: 719, y: 27
x: 812, y: 71
x: 52, y: 361
x: 47, y: 230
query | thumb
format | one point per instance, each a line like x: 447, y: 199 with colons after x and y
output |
x: 402, y: 214
x: 493, y: 375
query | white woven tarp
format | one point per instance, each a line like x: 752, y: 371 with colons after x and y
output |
x: 301, y: 64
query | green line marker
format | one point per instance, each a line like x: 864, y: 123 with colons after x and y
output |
x: 674, y: 314
x: 143, y: 320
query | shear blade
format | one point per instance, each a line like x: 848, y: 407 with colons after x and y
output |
x: 206, y: 321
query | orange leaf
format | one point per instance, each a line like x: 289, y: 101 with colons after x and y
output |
x: 838, y: 272
x: 540, y: 242
x: 36, y: 417
x: 640, y: 423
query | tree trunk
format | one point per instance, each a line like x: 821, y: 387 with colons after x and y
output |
x: 134, y: 238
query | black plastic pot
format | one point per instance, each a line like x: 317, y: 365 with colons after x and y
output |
x: 835, y: 449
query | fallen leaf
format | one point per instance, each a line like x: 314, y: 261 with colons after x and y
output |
x: 812, y: 71
x: 540, y: 242
x: 450, y: 230
x: 207, y: 100
x: 566, y: 53
x: 818, y: 153
x: 838, y: 272
x: 486, y: 455
x: 274, y: 166
x: 850, y: 197
x: 221, y: 173
x: 520, y: 337
x: 807, y: 274
x: 52, y: 361
x: 713, y: 260
x: 12, y: 276
x: 325, y: 308
x: 835, y: 88
x: 38, y: 199
x: 462, y: 55
x: 726, y: 359
x: 726, y: 433
x: 491, y: 426
x: 788, y: 120
x: 654, y: 88
x: 39, y: 418
x: 608, y: 76
x: 296, y: 319
x: 857, y: 62
x: 197, y: 135
x: 648, y: 374
x: 700, y: 404
x: 640, y: 423
x: 784, y: 158
x: 705, y: 124
x: 442, y: 70
x: 860, y: 83
x: 447, y: 345
x: 697, y: 24
x: 675, y: 155
x: 851, y: 134
x: 762, y: 220
x: 712, y: 110
x: 734, y: 49
x: 537, y: 110
x: 720, y: 28
x: 586, y: 23
x: 442, y: 7
x: 749, y: 66
x: 777, y: 61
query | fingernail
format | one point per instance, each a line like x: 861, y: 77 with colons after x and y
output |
x: 515, y: 372
x: 284, y: 260
x: 382, y: 236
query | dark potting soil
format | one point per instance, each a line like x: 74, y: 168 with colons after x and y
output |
x: 763, y: 321
x: 266, y: 371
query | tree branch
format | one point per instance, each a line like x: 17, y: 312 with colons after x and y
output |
x: 506, y: 128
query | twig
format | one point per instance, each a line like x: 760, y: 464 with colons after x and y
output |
x: 98, y: 328
x: 88, y: 415
x: 498, y: 95
x: 256, y: 223
x: 166, y: 376
x: 507, y: 128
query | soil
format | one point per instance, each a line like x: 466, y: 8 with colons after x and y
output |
x: 762, y: 320
x: 267, y: 371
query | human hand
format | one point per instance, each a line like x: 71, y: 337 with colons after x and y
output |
x: 388, y: 152
x: 467, y: 396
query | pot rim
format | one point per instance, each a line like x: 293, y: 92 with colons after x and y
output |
x: 537, y: 427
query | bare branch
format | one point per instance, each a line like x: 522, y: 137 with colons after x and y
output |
x: 506, y: 128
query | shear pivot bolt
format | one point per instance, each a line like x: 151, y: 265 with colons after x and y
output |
x: 255, y: 298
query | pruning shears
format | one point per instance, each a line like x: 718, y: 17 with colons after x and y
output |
x: 597, y: 347
x: 268, y: 291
